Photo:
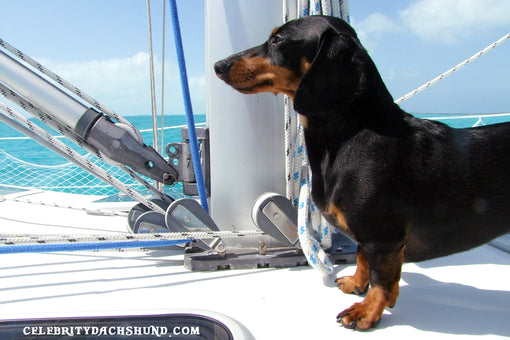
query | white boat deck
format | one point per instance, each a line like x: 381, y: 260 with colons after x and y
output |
x: 458, y: 297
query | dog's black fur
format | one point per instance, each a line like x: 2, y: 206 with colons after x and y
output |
x: 402, y: 187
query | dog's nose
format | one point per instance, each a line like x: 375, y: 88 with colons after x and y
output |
x: 221, y: 68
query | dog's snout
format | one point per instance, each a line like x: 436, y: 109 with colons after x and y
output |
x: 221, y: 68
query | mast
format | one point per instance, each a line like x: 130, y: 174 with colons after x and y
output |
x: 246, y: 132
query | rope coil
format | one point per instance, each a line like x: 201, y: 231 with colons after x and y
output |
x: 315, y: 233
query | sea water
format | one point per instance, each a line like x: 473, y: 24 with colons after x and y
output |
x: 32, y: 152
x: 25, y: 163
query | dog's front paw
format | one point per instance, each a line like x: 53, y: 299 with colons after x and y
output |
x: 368, y: 313
x: 360, y: 316
x: 351, y: 285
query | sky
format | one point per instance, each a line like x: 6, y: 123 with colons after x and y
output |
x: 102, y: 47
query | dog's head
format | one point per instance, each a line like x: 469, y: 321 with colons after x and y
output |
x: 318, y: 61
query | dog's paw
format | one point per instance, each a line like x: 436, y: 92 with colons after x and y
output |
x: 368, y: 313
x: 351, y: 285
x: 360, y: 316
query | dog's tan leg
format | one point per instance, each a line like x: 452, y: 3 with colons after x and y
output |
x: 358, y: 283
x: 384, y: 277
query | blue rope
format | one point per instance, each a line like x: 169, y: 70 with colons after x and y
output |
x: 187, y: 105
x: 48, y: 247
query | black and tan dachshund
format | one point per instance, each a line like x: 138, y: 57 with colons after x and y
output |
x: 404, y: 188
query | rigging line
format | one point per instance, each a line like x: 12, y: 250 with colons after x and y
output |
x: 46, y: 248
x: 49, y: 243
x: 78, y: 92
x: 32, y: 135
x: 142, y: 131
x: 195, y: 153
x: 13, y: 239
x: 484, y: 115
x: 10, y: 239
x: 81, y: 160
x: 453, y: 69
x: 101, y: 212
x: 172, y: 127
x: 287, y: 123
x: 48, y: 120
x: 153, y: 87
x: 163, y: 80
x: 146, y: 185
x: 23, y: 138
x: 71, y: 135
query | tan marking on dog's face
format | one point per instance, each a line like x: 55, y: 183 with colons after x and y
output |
x: 258, y: 74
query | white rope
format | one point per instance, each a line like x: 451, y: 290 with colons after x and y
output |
x: 344, y: 12
x: 285, y: 11
x: 288, y: 148
x: 163, y: 81
x: 142, y: 131
x: 315, y: 7
x: 102, y: 212
x: 78, y: 92
x: 47, y: 119
x: 453, y: 69
x: 327, y: 7
x: 313, y: 229
x: 9, y: 239
x: 488, y: 115
x: 155, y: 140
x: 68, y: 132
x: 81, y: 160
x: 288, y: 125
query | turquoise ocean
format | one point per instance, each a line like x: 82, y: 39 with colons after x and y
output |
x: 32, y: 152
x: 25, y: 163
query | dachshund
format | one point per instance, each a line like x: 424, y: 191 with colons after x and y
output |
x: 405, y: 189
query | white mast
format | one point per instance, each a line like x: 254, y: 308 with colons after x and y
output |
x: 246, y: 131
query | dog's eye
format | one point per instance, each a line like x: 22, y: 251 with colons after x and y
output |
x: 276, y: 39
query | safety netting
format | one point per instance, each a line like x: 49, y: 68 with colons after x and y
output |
x: 19, y: 174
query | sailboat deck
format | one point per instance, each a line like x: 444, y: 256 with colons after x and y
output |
x: 461, y: 296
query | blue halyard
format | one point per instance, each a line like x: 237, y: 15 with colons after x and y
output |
x: 195, y: 155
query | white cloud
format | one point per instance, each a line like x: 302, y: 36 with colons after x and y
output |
x: 371, y: 29
x: 378, y: 23
x: 123, y: 84
x: 451, y: 20
x: 446, y: 21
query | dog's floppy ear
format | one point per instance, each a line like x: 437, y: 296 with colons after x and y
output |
x: 336, y: 76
